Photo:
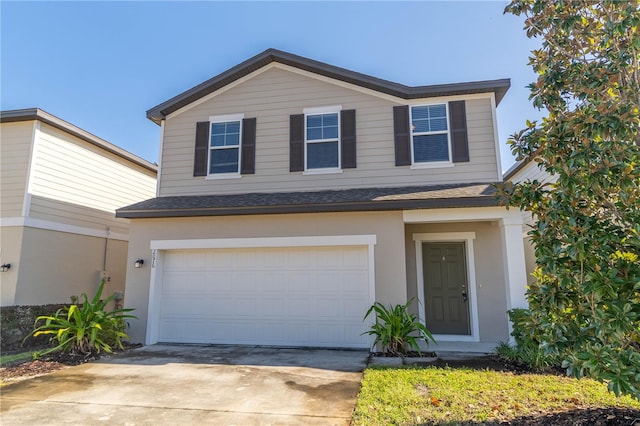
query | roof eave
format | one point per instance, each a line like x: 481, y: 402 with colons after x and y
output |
x: 29, y: 114
x: 160, y: 112
x: 312, y: 208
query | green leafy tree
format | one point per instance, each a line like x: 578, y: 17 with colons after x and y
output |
x: 585, y: 303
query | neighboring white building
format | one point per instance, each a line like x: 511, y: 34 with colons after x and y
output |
x: 519, y: 172
x: 60, y: 187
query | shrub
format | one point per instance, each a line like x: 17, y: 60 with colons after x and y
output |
x: 396, y: 329
x: 528, y: 349
x: 85, y: 329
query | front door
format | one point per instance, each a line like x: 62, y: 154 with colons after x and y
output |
x: 446, y: 290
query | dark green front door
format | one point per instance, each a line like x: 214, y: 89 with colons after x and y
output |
x: 446, y: 290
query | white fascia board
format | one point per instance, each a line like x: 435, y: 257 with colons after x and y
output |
x: 467, y: 214
x: 496, y: 137
x: 218, y: 243
x: 160, y: 149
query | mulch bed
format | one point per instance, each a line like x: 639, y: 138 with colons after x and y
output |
x: 583, y: 417
x: 27, y: 368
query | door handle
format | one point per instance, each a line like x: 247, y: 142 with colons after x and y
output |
x: 465, y: 297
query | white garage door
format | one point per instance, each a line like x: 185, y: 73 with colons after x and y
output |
x: 298, y: 296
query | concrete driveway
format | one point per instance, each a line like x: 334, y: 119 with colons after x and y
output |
x: 183, y: 384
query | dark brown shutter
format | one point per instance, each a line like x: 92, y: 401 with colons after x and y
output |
x: 248, y: 164
x: 348, y: 138
x: 402, y: 135
x: 296, y: 143
x: 202, y: 146
x: 458, y: 121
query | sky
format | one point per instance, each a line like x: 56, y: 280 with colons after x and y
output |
x: 102, y: 65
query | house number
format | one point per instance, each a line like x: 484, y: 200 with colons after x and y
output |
x: 153, y: 258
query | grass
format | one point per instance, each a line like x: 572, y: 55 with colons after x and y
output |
x: 6, y: 359
x: 414, y: 395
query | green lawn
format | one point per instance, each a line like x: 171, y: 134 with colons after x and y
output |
x: 414, y: 395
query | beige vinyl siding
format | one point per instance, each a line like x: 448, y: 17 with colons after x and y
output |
x: 77, y: 183
x: 15, y: 147
x: 272, y: 97
x: 76, y: 215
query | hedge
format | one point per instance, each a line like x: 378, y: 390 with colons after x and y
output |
x: 16, y: 323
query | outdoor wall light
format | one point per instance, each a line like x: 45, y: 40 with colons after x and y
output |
x: 138, y: 263
x: 5, y: 267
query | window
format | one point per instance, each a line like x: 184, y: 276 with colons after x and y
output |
x: 322, y: 138
x: 430, y: 134
x: 224, y: 145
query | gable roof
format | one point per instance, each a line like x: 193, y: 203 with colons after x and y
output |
x: 515, y: 168
x: 344, y: 200
x: 29, y: 114
x: 159, y: 112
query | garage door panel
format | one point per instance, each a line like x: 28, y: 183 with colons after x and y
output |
x: 302, y: 296
x: 354, y: 282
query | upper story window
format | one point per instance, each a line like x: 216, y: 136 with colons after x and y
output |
x: 430, y: 134
x: 322, y: 138
x: 225, y: 147
x: 224, y: 144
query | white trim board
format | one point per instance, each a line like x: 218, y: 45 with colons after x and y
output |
x: 467, y: 238
x: 465, y: 214
x: 336, y: 240
x: 496, y: 137
x: 30, y: 222
x: 159, y: 247
x: 33, y: 152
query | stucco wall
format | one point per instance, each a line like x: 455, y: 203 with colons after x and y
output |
x: 490, y: 280
x: 10, y: 245
x: 56, y: 265
x: 387, y: 226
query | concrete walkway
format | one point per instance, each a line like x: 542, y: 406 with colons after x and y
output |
x: 175, y: 384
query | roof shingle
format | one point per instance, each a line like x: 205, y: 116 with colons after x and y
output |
x: 360, y: 199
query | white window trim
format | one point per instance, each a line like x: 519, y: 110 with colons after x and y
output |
x: 224, y: 119
x: 319, y: 111
x: 431, y: 164
x: 467, y: 238
x: 159, y: 247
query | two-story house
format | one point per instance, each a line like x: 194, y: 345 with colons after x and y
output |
x: 293, y: 194
x: 59, y: 188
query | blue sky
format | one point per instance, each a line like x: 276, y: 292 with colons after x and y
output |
x: 101, y: 65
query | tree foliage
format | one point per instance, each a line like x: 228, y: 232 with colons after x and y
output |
x: 585, y: 303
